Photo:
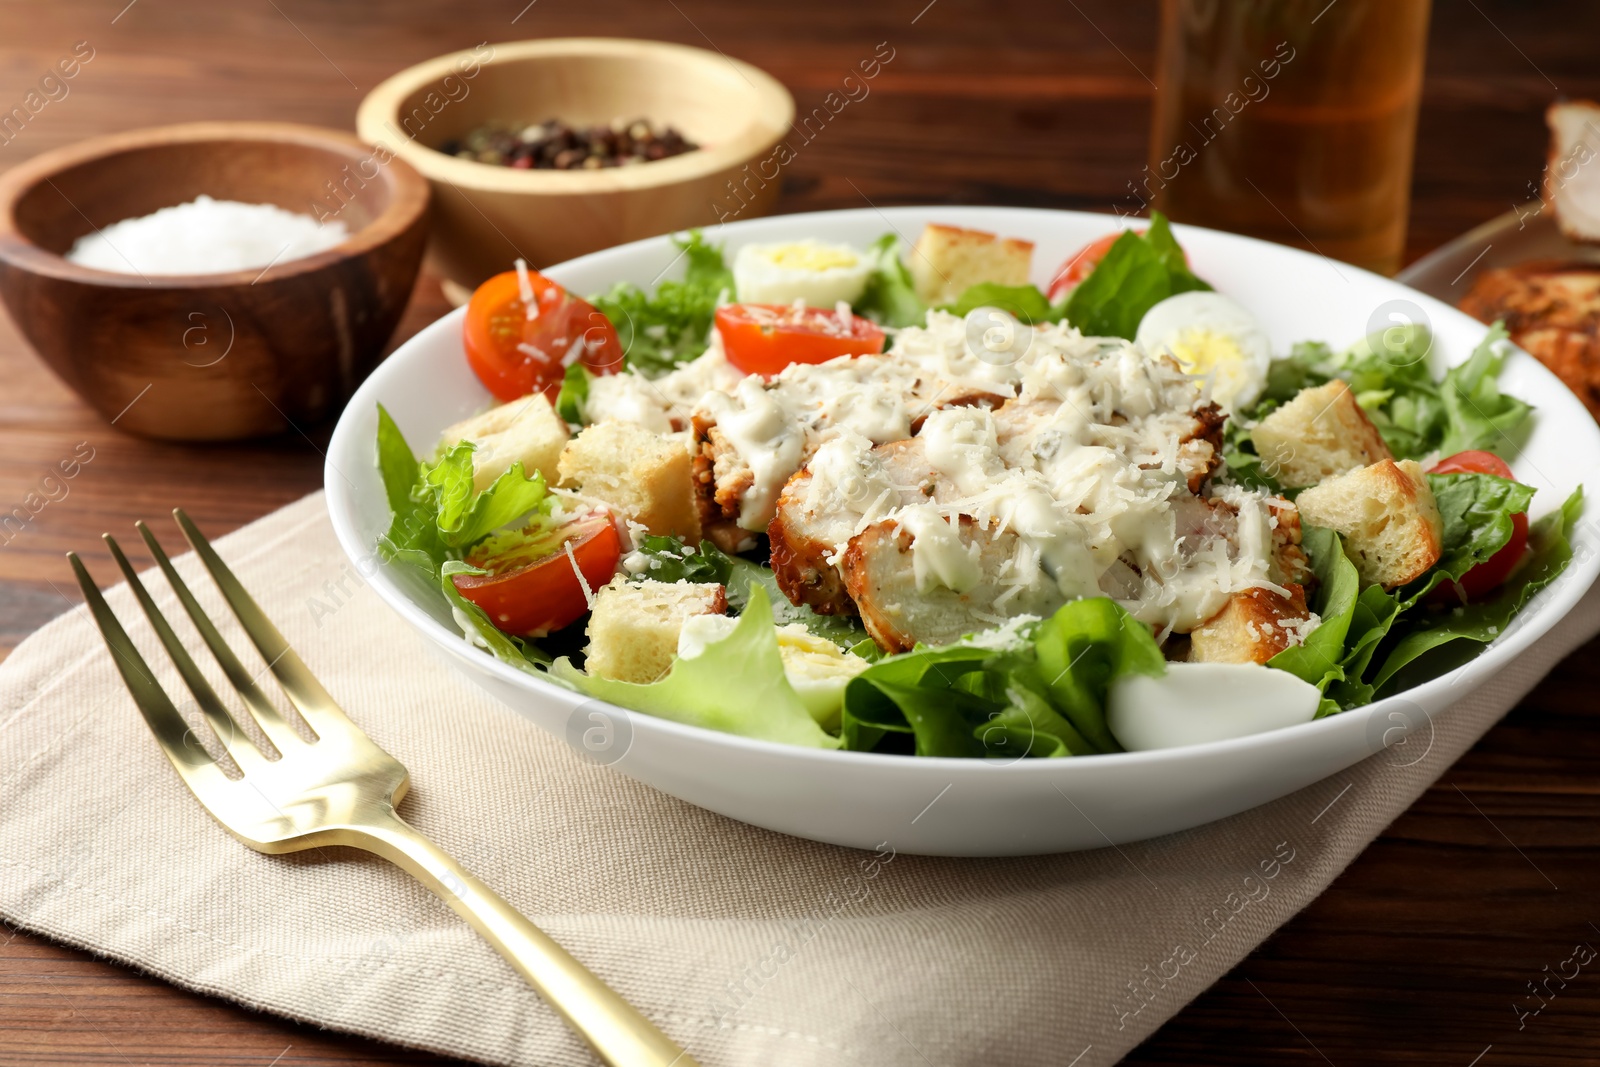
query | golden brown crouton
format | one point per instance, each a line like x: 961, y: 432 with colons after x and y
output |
x: 528, y: 430
x: 644, y: 475
x: 948, y: 260
x: 1252, y: 627
x: 633, y: 630
x: 1321, y: 432
x: 1387, y: 516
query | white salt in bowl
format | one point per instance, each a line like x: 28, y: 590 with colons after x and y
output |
x: 216, y: 356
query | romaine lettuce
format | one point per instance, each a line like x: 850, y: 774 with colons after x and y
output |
x: 737, y: 685
x: 1038, y: 688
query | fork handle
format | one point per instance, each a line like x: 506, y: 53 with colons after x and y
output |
x: 613, y: 1028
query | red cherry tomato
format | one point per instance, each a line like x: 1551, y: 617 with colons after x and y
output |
x: 1080, y: 265
x: 1488, y: 575
x: 765, y: 338
x: 1473, y: 462
x: 534, y: 589
x: 514, y: 354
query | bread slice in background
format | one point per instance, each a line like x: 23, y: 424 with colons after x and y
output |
x: 634, y: 627
x: 1387, y: 516
x: 1572, y: 172
x: 948, y: 260
x: 1320, y: 433
x: 1552, y: 310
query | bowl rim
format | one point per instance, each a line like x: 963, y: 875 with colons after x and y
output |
x: 409, y: 200
x: 1553, y: 604
x: 379, y: 113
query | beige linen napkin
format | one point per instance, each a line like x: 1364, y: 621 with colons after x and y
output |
x: 746, y: 946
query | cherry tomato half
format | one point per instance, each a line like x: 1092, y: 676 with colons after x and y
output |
x: 515, y: 354
x: 765, y: 338
x: 533, y: 590
x: 1080, y: 265
x: 1489, y: 574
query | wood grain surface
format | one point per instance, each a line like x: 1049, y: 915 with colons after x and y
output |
x: 1420, y: 950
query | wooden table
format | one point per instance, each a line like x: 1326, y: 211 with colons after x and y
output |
x: 1417, y: 953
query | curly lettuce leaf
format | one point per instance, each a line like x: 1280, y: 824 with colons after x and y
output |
x: 890, y: 297
x: 1390, y: 375
x: 737, y: 685
x: 660, y: 330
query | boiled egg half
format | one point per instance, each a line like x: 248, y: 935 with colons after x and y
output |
x: 1212, y: 337
x: 1193, y: 703
x: 820, y: 274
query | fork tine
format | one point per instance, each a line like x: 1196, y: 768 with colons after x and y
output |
x: 268, y: 717
x: 237, y: 743
x: 296, y: 678
x: 187, y: 756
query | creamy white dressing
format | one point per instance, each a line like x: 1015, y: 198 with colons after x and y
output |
x: 1080, y: 457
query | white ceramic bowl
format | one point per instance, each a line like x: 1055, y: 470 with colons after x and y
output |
x: 954, y: 806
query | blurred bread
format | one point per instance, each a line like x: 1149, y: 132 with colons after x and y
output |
x: 1387, y: 516
x: 948, y: 260
x: 634, y: 627
x: 1572, y: 173
x: 648, y: 477
x: 1321, y: 432
x: 527, y: 429
x: 1552, y: 310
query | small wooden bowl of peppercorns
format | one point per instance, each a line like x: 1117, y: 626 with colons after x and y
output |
x: 546, y: 150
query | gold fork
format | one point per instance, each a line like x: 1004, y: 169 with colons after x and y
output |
x: 340, y: 789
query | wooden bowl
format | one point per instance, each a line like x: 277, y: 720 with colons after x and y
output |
x: 209, y: 357
x: 485, y: 216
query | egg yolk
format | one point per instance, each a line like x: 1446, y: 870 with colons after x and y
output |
x: 1202, y: 351
x: 811, y: 257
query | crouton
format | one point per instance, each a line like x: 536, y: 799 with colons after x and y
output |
x: 527, y: 429
x: 1252, y: 627
x: 947, y: 260
x: 1571, y: 181
x: 646, y: 476
x: 1387, y: 516
x: 634, y: 628
x: 1321, y: 432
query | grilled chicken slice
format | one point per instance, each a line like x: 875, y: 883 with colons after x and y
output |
x: 811, y: 524
x: 1553, y: 311
x: 1031, y: 432
x: 881, y: 576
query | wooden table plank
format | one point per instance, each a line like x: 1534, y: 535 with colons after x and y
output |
x: 1415, y: 955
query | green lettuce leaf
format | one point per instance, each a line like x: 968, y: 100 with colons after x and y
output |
x: 890, y: 297
x: 477, y: 629
x: 1440, y: 640
x: 1026, y: 302
x: 1389, y: 373
x: 660, y: 330
x: 1320, y: 659
x: 1039, y: 690
x: 736, y: 685
x: 670, y: 560
x: 1136, y: 273
x: 574, y: 394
